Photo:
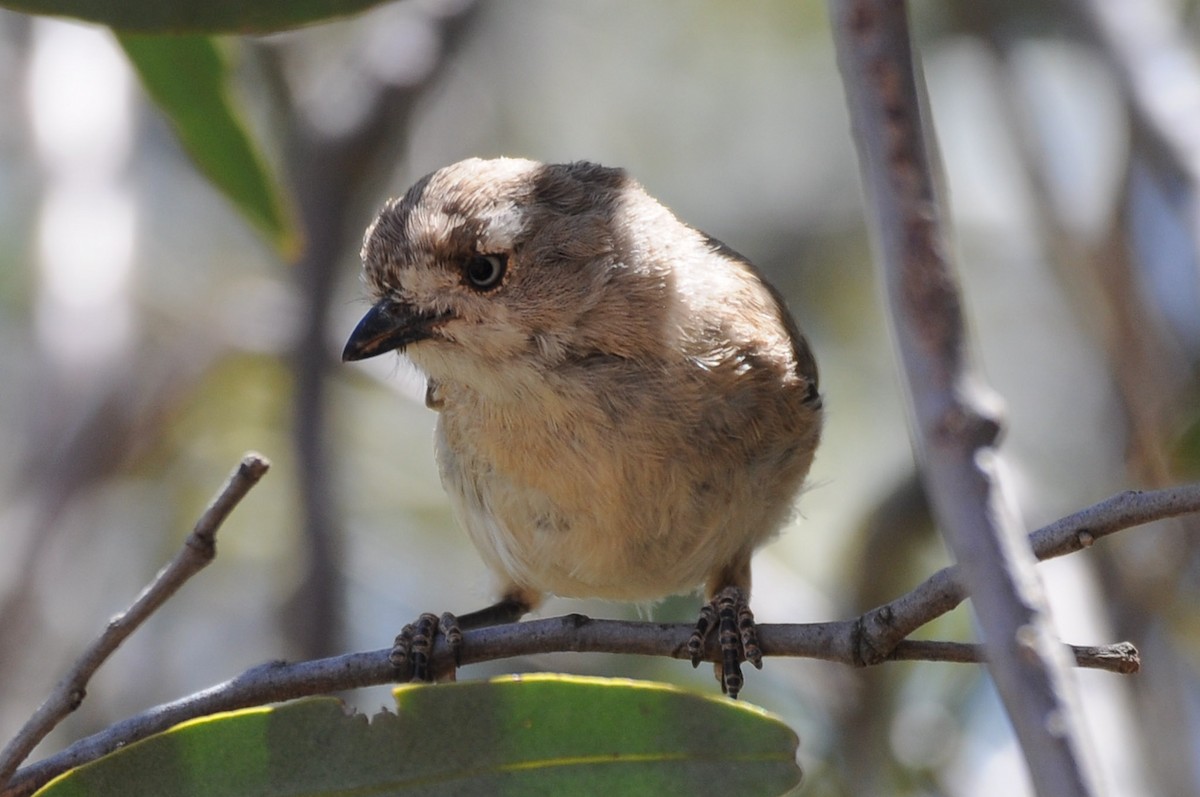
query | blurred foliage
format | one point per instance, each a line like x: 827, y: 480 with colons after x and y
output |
x: 218, y: 16
x: 149, y: 338
x: 1187, y: 448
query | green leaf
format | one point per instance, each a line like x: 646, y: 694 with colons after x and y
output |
x: 212, y: 16
x: 530, y: 735
x: 187, y: 77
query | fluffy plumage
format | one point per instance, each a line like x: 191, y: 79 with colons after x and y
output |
x: 627, y: 413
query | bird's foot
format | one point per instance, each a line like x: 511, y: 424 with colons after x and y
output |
x: 411, y: 652
x: 729, y: 613
x: 413, y: 647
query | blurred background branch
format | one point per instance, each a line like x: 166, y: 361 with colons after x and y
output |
x: 331, y: 162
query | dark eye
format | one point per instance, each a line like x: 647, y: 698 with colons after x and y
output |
x: 485, y: 271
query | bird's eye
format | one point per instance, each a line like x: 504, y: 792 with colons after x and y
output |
x: 485, y: 271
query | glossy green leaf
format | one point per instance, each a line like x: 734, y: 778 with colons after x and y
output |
x: 529, y: 735
x: 188, y: 78
x: 214, y: 16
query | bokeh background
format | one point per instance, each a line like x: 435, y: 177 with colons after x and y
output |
x: 148, y: 337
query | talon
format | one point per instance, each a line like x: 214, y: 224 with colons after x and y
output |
x: 421, y: 645
x: 695, y: 644
x: 749, y: 636
x: 453, y: 634
x: 728, y: 637
x: 400, y: 647
x: 728, y: 612
x: 731, y: 678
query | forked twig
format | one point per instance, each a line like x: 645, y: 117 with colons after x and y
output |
x: 197, y: 551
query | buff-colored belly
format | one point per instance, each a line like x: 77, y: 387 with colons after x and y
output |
x: 562, y: 497
x: 626, y: 531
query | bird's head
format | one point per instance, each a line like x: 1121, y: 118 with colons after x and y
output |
x: 487, y: 265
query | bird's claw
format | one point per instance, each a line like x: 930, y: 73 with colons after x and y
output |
x: 728, y: 612
x: 411, y: 652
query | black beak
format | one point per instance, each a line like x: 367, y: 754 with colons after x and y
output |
x: 388, y: 326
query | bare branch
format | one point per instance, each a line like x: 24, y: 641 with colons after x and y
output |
x: 953, y: 421
x: 198, y: 550
x: 1123, y: 510
x: 882, y: 628
x: 1121, y: 657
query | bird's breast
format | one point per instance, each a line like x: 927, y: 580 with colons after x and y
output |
x: 628, y: 491
x: 546, y: 497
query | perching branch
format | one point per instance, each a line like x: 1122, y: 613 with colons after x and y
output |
x: 837, y: 641
x: 279, y: 681
x: 954, y: 425
x: 198, y: 550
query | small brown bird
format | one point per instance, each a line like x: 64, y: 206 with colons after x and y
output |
x: 627, y: 410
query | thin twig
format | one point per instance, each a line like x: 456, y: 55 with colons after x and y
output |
x: 198, y: 550
x: 1121, y: 657
x: 1123, y: 510
x: 882, y: 628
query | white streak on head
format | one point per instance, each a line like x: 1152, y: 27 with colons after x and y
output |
x: 503, y: 228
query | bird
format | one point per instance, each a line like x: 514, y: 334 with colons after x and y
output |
x: 626, y: 408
